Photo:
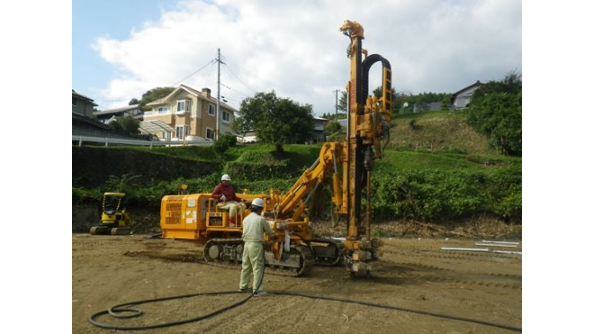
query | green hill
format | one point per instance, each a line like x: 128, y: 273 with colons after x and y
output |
x: 435, y: 169
x: 443, y: 131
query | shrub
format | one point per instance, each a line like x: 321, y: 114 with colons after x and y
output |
x: 332, y: 127
x: 226, y: 141
x: 496, y: 111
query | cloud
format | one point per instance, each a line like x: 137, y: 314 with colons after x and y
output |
x: 296, y: 49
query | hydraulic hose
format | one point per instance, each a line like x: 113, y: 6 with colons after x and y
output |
x: 118, y: 311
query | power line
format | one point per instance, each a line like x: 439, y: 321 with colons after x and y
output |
x: 193, y: 73
x: 240, y: 80
x: 241, y: 93
x: 209, y: 75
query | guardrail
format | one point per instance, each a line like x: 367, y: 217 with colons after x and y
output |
x: 133, y: 142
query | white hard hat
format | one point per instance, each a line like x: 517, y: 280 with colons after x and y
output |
x: 258, y: 202
x: 225, y: 177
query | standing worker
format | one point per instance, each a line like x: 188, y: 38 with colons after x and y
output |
x: 227, y: 195
x: 253, y: 258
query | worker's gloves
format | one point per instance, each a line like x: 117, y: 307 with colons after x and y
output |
x: 223, y: 198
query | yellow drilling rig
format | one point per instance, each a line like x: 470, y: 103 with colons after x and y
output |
x: 345, y: 165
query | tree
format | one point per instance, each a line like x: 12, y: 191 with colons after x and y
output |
x: 127, y: 126
x: 332, y: 127
x: 225, y: 141
x: 422, y: 100
x: 152, y: 95
x: 331, y: 116
x: 445, y: 103
x: 398, y: 99
x: 342, y: 104
x: 275, y: 120
x: 496, y: 111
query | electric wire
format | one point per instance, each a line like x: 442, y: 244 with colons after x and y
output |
x: 209, y: 75
x: 193, y: 73
x: 118, y: 311
x: 240, y: 80
x: 237, y: 91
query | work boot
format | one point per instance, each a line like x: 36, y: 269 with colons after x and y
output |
x: 245, y: 290
x: 261, y: 294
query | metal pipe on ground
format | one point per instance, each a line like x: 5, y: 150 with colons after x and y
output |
x: 508, y: 252
x: 500, y: 242
x: 465, y: 249
x: 495, y: 245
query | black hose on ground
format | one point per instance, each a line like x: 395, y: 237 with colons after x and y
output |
x: 117, y: 310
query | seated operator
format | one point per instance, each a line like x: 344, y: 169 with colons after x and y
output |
x: 225, y: 193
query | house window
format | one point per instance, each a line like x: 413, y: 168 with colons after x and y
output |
x: 183, y: 106
x: 225, y: 116
x: 166, y: 135
x: 211, y: 110
x: 163, y: 110
x: 210, y: 134
x: 182, y: 131
x: 74, y: 101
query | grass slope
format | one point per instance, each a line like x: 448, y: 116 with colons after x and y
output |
x: 442, y: 131
x: 435, y: 168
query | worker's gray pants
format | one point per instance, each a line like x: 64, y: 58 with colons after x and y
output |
x: 252, y: 262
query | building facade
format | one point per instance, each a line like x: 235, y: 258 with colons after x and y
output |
x: 191, y: 114
x: 82, y: 104
x: 462, y: 98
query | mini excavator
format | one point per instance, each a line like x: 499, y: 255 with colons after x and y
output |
x: 114, y: 218
x: 345, y: 165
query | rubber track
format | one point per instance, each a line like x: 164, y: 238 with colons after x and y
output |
x: 340, y: 251
x: 307, y: 261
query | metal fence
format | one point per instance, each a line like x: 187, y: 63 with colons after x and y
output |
x: 133, y: 142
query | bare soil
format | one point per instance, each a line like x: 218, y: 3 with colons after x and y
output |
x: 413, y: 273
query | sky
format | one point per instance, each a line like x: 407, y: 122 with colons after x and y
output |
x: 121, y: 49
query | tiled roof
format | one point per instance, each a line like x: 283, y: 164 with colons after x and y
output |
x: 117, y: 110
x: 468, y: 87
x: 81, y: 96
x: 83, y: 119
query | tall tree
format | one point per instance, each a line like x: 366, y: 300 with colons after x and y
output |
x: 275, y: 120
x: 496, y: 111
x: 127, y: 125
x: 342, y: 105
x: 398, y: 98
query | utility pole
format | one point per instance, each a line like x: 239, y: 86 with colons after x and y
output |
x: 218, y: 92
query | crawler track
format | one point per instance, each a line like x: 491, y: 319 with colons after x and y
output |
x: 227, y: 253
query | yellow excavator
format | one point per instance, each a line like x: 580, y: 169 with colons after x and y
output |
x: 345, y: 165
x: 114, y: 218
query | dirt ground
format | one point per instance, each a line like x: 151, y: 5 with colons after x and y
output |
x: 413, y: 273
